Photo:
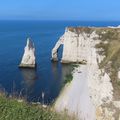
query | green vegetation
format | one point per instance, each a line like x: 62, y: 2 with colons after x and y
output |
x: 73, y: 66
x: 111, y: 50
x: 79, y: 30
x: 108, y: 34
x: 104, y: 46
x: 69, y: 77
x: 12, y: 109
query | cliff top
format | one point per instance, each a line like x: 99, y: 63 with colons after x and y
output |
x: 89, y: 30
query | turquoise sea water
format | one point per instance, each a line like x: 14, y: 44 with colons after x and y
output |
x: 48, y: 77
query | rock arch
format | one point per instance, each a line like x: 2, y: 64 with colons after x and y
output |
x: 55, y: 49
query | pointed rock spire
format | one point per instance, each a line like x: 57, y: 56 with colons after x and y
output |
x: 28, y: 59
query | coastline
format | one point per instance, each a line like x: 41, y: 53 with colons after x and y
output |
x: 91, y: 87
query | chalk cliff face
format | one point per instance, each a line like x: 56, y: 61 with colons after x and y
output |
x: 55, y: 49
x: 74, y: 49
x: 70, y: 41
x: 28, y: 59
x: 91, y: 87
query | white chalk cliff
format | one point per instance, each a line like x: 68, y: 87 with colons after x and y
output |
x: 55, y: 49
x: 91, y: 87
x: 73, y: 47
x: 28, y: 59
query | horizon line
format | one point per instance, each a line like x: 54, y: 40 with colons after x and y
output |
x: 60, y: 20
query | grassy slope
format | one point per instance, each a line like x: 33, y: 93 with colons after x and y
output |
x: 111, y: 50
x: 11, y: 109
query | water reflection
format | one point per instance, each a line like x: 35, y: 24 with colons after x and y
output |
x: 30, y: 77
x: 56, y: 70
x: 48, y: 84
x: 60, y: 71
x: 66, y: 70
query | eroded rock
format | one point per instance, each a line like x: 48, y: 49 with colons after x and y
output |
x: 91, y: 88
x: 28, y: 59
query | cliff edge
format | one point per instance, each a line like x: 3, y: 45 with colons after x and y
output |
x: 93, y: 93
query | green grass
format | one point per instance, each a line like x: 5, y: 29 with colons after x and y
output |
x: 112, y: 55
x: 11, y: 109
x: 79, y: 30
x: 110, y: 34
x: 111, y: 50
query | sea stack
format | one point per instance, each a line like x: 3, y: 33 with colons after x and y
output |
x: 28, y: 59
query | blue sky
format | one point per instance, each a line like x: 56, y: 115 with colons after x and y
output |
x: 60, y: 10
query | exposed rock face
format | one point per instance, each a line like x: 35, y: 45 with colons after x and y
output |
x: 73, y: 46
x: 70, y: 41
x: 55, y: 49
x: 75, y: 97
x: 119, y: 75
x: 90, y: 94
x: 28, y: 59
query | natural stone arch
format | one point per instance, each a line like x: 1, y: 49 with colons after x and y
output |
x: 55, y: 49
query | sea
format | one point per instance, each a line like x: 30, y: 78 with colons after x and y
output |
x: 44, y: 83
